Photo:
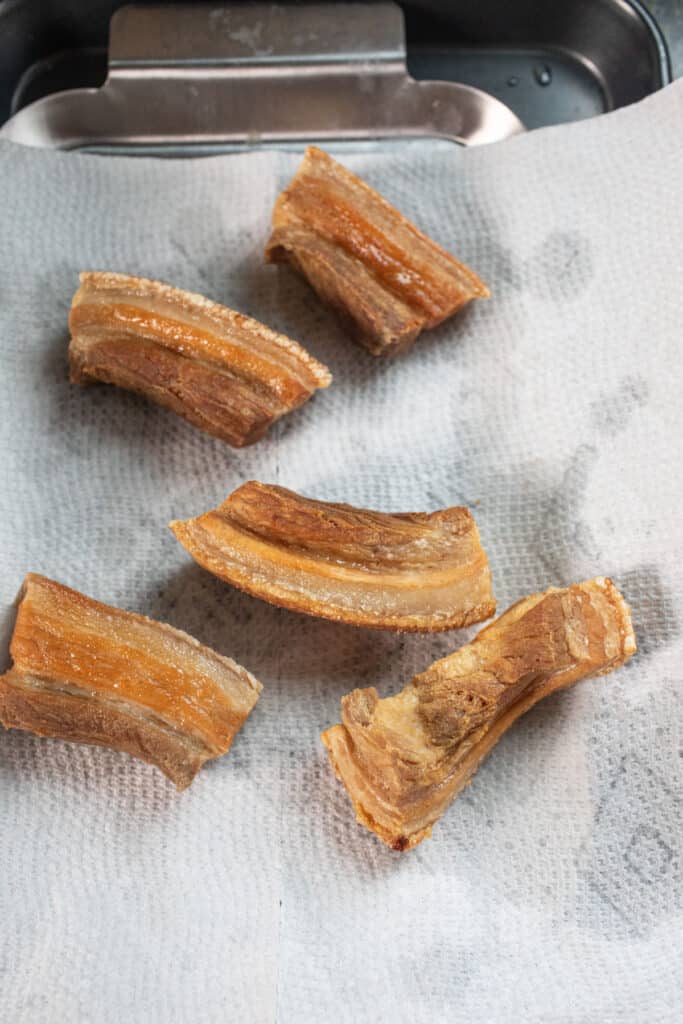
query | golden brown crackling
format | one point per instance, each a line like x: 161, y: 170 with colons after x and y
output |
x: 91, y: 673
x: 413, y: 571
x: 405, y: 758
x: 224, y: 372
x: 79, y: 717
x: 369, y: 313
x: 385, y: 278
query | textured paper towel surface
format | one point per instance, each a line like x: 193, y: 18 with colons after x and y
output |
x: 552, y: 891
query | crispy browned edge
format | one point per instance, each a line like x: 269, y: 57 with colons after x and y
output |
x: 182, y: 530
x: 277, y: 252
x: 195, y: 302
x: 78, y: 717
x: 470, y: 764
x: 96, y: 722
x: 318, y: 610
x: 479, y: 286
x: 81, y: 371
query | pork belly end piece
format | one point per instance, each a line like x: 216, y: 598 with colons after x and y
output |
x: 404, y: 759
x: 411, y: 571
x: 90, y: 673
x: 384, y: 277
x: 225, y: 373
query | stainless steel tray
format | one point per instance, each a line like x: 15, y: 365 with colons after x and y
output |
x: 196, y: 78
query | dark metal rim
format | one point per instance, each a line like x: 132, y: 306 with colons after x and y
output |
x: 655, y: 31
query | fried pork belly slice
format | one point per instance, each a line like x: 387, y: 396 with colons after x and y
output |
x: 405, y: 572
x: 89, y: 673
x: 404, y: 759
x: 225, y: 373
x: 386, y: 279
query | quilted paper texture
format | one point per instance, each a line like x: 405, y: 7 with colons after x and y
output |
x: 551, y: 891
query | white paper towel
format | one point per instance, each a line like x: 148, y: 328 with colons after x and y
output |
x: 551, y: 892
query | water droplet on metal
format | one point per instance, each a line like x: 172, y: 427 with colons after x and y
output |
x: 543, y: 74
x: 513, y: 80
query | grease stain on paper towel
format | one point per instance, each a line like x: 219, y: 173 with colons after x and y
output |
x: 611, y: 412
x: 534, y: 514
x: 655, y: 621
x: 561, y: 266
x: 630, y: 866
x: 480, y: 248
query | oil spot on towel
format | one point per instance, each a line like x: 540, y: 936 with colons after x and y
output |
x: 629, y: 868
x: 610, y: 413
x: 483, y: 250
x: 653, y: 610
x: 533, y: 515
x: 561, y: 266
